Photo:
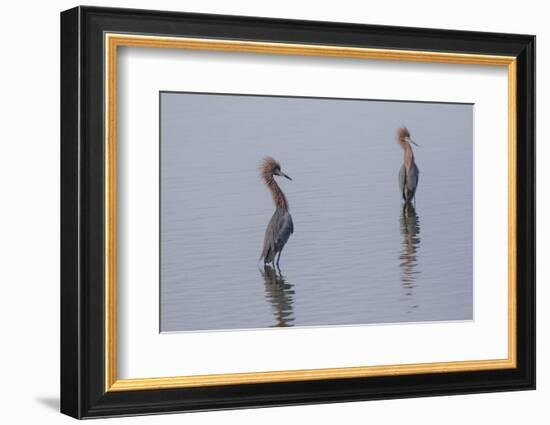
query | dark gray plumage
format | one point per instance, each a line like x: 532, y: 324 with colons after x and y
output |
x: 408, y: 181
x: 278, y: 231
x: 280, y: 226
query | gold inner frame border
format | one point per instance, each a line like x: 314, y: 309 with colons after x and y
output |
x: 113, y: 40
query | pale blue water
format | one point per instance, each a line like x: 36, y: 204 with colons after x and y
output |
x: 355, y: 257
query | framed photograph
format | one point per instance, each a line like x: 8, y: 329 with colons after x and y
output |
x: 261, y: 212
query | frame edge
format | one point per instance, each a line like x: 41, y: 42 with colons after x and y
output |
x: 70, y: 348
x: 80, y: 396
x: 526, y: 226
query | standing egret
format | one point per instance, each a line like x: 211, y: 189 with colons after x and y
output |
x: 280, y: 226
x: 408, y: 174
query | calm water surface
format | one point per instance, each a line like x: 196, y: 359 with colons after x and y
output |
x: 356, y: 255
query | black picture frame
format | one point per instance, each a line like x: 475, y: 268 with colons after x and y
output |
x: 83, y: 392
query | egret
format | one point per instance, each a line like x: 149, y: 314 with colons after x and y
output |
x: 408, y: 174
x: 280, y: 226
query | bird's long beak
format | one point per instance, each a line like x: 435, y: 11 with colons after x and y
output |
x: 411, y: 141
x: 284, y: 175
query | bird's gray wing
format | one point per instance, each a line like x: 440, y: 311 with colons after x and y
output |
x: 402, y: 178
x: 412, y: 178
x: 285, y: 227
x: 278, y: 231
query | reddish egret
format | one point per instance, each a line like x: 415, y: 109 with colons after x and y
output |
x: 280, y: 226
x: 408, y: 174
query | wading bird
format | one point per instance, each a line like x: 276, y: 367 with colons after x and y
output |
x: 408, y: 174
x: 280, y: 226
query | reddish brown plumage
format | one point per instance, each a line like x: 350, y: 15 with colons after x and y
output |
x: 268, y: 168
x: 403, y: 137
x: 402, y: 132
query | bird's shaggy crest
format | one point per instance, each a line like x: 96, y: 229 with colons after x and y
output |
x: 268, y: 167
x: 402, y: 132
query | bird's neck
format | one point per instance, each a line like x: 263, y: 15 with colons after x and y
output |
x: 278, y: 196
x: 408, y: 156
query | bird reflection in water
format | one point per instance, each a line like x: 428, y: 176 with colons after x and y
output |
x: 410, y: 230
x: 280, y: 294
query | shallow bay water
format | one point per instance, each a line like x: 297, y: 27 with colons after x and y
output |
x: 356, y: 255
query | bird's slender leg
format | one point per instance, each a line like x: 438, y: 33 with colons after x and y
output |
x: 279, y: 258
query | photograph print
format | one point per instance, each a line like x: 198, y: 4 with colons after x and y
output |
x: 280, y: 211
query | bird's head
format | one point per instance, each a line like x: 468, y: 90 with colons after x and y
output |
x: 403, y: 136
x: 270, y: 167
